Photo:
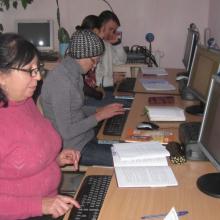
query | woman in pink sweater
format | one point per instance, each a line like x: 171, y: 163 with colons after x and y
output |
x: 30, y: 148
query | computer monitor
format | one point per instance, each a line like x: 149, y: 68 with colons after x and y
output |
x: 190, y: 46
x: 209, y: 140
x: 38, y: 32
x: 191, y: 42
x: 206, y: 63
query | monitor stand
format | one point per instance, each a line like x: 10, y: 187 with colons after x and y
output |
x: 209, y: 184
x: 196, y: 109
x: 183, y: 74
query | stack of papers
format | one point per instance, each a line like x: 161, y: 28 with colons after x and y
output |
x: 157, y: 85
x: 153, y: 71
x: 165, y: 113
x: 142, y: 165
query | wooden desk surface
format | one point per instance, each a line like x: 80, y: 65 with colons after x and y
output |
x: 137, y: 115
x: 132, y: 203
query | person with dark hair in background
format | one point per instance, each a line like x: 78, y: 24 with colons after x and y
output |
x: 62, y: 99
x: 114, y: 53
x: 30, y: 148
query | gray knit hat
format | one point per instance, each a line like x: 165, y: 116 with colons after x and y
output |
x: 85, y: 44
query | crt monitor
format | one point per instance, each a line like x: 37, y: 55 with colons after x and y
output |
x: 38, y: 32
x: 206, y: 62
x: 209, y: 140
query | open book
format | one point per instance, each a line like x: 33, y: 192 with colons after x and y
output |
x: 142, y: 165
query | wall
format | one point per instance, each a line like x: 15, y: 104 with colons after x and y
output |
x: 167, y: 19
x: 214, y: 20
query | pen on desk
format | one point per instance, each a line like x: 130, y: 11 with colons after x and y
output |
x: 180, y: 213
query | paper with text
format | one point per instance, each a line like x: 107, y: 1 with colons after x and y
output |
x: 161, y: 161
x: 158, y: 176
x: 140, y: 150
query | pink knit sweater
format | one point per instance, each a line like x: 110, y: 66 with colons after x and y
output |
x: 28, y: 170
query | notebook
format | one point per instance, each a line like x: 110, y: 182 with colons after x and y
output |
x: 161, y: 100
x: 157, y: 85
x: 165, y: 113
x: 153, y: 71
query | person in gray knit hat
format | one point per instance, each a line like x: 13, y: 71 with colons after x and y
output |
x: 62, y: 100
x: 85, y: 44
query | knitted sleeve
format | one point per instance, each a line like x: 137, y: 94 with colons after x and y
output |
x: 70, y: 117
x: 19, y: 208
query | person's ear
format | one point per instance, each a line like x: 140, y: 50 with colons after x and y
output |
x: 96, y: 31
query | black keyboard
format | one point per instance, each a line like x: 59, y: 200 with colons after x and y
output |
x: 127, y: 85
x: 90, y: 197
x: 125, y: 102
x: 114, y: 126
x: 49, y: 56
x: 189, y: 132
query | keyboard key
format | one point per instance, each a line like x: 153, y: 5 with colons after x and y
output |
x: 125, y: 102
x: 90, y: 197
x: 114, y: 126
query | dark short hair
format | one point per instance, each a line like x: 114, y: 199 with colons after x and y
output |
x: 15, y: 51
x: 106, y: 16
x: 89, y: 22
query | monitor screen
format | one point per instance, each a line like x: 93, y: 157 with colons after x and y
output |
x: 206, y: 62
x: 209, y: 139
x: 191, y: 42
x: 38, y: 32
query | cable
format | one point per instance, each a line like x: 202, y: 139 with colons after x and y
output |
x: 108, y: 5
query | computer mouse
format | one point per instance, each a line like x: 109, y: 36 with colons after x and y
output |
x: 181, y: 77
x: 147, y: 126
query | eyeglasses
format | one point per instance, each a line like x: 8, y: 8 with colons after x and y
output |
x: 33, y: 72
x: 95, y: 60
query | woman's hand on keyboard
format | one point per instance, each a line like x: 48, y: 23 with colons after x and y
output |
x: 109, y: 111
x: 58, y: 205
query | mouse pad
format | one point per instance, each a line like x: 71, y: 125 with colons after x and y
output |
x: 161, y: 100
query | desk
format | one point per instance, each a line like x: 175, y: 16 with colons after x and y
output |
x: 171, y: 77
x: 136, y: 115
x: 132, y: 203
